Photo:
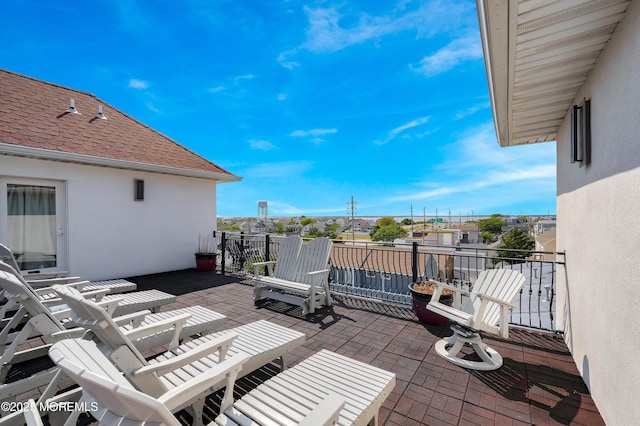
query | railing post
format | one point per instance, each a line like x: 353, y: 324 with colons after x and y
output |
x: 267, y: 254
x: 223, y: 248
x: 414, y: 262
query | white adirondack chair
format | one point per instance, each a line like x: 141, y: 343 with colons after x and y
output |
x: 261, y: 341
x: 486, y: 309
x: 128, y: 302
x: 146, y: 330
x: 300, y: 276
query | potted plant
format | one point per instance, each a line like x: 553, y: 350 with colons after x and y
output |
x: 421, y: 293
x: 206, y: 254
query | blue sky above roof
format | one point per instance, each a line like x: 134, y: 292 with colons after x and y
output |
x: 311, y: 102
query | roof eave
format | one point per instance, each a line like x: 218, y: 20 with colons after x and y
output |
x: 46, y: 154
x: 493, y: 17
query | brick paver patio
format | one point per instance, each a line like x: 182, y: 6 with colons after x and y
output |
x: 538, y: 384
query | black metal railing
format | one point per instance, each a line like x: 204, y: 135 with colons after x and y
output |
x: 384, y: 272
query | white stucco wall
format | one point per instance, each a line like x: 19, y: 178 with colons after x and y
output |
x: 598, y: 209
x: 109, y: 235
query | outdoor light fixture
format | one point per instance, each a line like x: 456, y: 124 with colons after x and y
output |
x: 581, y: 133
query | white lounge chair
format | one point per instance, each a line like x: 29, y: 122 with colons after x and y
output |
x: 114, y: 286
x: 127, y: 303
x: 112, y: 399
x: 485, y: 309
x: 300, y: 276
x: 324, y: 389
x: 262, y: 341
x: 144, y: 329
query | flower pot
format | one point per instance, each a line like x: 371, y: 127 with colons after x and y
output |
x: 206, y: 262
x: 420, y: 300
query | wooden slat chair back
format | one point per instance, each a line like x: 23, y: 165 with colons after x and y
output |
x: 501, y: 284
x: 287, y: 258
x: 313, y: 256
x: 486, y: 308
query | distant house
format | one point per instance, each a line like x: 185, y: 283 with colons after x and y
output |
x: 85, y: 188
x: 567, y: 71
x: 546, y: 242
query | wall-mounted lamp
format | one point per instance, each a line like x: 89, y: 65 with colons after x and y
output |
x: 138, y: 190
x: 581, y: 133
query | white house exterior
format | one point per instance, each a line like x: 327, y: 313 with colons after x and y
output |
x: 543, y: 58
x: 89, y: 167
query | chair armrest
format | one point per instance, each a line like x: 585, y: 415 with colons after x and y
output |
x: 495, y: 300
x: 176, y: 323
x: 171, y: 364
x: 322, y: 271
x: 326, y: 413
x: 458, y: 292
x: 71, y: 333
x: 269, y: 264
x: 48, y: 282
x: 134, y: 318
x: 228, y: 370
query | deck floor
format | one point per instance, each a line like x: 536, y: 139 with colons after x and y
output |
x: 538, y: 384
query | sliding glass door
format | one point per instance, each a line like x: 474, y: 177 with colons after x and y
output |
x: 34, y: 223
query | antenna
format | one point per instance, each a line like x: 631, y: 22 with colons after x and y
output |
x: 100, y: 114
x: 72, y: 109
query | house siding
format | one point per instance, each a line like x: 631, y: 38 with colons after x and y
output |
x: 597, y: 211
x: 110, y: 235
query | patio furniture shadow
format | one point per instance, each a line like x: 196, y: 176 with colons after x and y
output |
x: 554, y: 391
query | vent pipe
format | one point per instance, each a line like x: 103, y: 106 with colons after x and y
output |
x: 100, y: 114
x: 72, y: 109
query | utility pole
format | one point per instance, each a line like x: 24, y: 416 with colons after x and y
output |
x: 411, y: 210
x: 352, y: 206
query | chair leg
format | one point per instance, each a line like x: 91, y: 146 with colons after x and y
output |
x: 449, y: 348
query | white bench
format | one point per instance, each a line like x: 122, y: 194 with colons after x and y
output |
x: 300, y: 276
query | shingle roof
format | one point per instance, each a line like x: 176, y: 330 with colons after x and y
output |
x: 32, y: 115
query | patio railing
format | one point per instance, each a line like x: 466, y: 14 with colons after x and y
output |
x: 384, y: 272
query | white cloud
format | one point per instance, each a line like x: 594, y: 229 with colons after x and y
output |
x: 398, y: 130
x: 152, y: 107
x: 456, y: 52
x: 284, y: 169
x: 216, y: 89
x: 471, y: 110
x: 481, y: 170
x: 243, y: 77
x: 312, y: 132
x: 282, y: 96
x: 262, y: 145
x: 134, y: 83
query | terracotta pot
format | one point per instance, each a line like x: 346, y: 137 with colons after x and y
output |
x: 206, y: 262
x: 420, y: 300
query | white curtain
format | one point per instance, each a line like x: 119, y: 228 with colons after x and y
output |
x: 32, y: 225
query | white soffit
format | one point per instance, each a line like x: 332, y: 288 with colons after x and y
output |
x: 538, y: 54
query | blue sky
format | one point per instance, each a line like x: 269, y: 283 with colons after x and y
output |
x: 310, y: 102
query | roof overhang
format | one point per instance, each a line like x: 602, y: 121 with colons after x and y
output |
x: 538, y: 54
x: 46, y: 154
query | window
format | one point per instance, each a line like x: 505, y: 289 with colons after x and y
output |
x: 581, y: 133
